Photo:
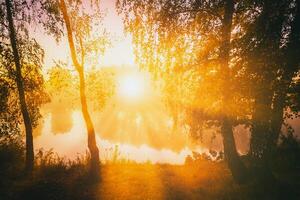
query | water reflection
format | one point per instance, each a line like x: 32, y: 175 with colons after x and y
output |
x: 74, y: 142
x: 138, y: 135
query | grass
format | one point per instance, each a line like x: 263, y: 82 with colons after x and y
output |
x: 145, y: 181
x: 55, y: 178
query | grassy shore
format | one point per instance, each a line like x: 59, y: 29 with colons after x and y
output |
x: 145, y: 181
x: 55, y: 178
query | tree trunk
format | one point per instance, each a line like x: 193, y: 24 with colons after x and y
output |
x: 269, y: 104
x: 268, y: 113
x: 238, y: 169
x: 290, y: 67
x: 20, y: 86
x: 277, y: 115
x: 92, y: 145
x: 261, y: 137
x: 94, y: 151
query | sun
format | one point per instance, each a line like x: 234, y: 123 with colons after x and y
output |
x: 131, y: 86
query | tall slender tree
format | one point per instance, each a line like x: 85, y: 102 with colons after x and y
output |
x: 235, y: 164
x: 20, y: 86
x: 16, y: 19
x: 92, y: 145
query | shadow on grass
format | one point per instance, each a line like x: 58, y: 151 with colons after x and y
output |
x: 55, y: 178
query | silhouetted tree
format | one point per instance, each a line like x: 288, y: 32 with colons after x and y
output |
x: 266, y: 56
x: 289, y: 69
x: 27, y: 56
x: 19, y: 81
x: 79, y: 26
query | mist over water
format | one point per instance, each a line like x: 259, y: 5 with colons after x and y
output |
x: 71, y: 141
x: 131, y: 135
x: 135, y: 127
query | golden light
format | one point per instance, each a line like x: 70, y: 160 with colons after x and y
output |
x: 131, y: 86
x: 77, y: 143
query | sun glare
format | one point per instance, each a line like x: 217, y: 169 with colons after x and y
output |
x: 131, y: 86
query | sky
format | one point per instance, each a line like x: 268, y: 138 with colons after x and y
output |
x: 119, y: 54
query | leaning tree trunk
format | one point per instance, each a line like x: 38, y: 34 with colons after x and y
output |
x: 238, y: 169
x: 20, y: 86
x: 94, y: 151
x: 92, y: 145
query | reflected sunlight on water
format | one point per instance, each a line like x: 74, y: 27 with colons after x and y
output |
x: 74, y: 143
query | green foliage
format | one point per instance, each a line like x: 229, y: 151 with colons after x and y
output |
x: 33, y: 82
x: 210, y: 157
x: 91, y: 39
x: 287, y: 155
x: 101, y: 86
x: 11, y: 155
x: 62, y: 85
